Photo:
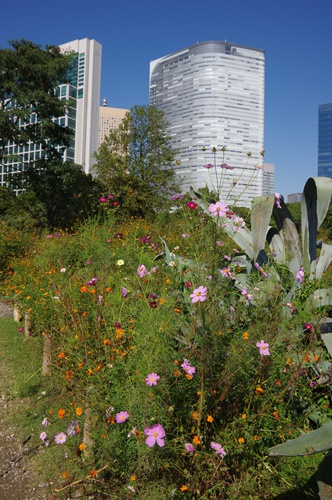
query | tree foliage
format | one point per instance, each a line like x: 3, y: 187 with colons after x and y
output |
x: 135, y: 162
x: 28, y: 78
x: 60, y: 195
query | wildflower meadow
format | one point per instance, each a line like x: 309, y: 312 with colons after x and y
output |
x: 175, y: 355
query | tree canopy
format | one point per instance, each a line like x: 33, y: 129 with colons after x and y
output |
x: 28, y: 103
x: 135, y: 162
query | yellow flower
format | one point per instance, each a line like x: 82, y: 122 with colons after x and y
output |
x: 183, y: 488
x: 210, y: 419
x: 246, y: 335
x: 79, y: 411
x: 133, y: 478
x: 244, y: 416
x: 120, y: 262
x: 259, y: 390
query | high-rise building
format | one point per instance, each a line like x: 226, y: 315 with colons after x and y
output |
x: 325, y: 140
x: 268, y: 178
x: 212, y: 94
x: 109, y: 119
x: 294, y: 197
x: 83, y: 94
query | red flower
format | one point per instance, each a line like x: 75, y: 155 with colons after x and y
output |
x: 191, y: 205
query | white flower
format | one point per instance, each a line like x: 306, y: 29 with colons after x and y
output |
x: 63, y: 270
x: 120, y: 262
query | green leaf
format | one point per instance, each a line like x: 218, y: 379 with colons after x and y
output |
x: 324, y: 260
x: 314, y: 442
x: 326, y: 333
x: 261, y: 212
x: 276, y: 245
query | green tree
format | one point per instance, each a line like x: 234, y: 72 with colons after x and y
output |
x: 60, y: 195
x: 28, y: 103
x: 135, y: 162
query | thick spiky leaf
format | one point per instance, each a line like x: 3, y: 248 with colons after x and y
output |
x: 276, y: 245
x: 261, y: 212
x: 324, y: 260
x: 314, y: 442
x: 314, y: 206
x: 321, y: 297
x: 326, y: 333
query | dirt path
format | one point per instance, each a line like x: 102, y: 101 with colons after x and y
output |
x: 17, y: 476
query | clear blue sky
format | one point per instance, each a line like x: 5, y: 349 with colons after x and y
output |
x: 295, y: 34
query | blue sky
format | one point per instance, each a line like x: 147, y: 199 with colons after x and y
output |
x: 296, y: 36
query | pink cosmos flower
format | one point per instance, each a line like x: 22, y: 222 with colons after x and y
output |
x: 218, y: 209
x: 43, y: 436
x: 152, y: 379
x: 308, y: 326
x: 219, y: 450
x: 300, y: 275
x: 189, y: 448
x: 227, y: 167
x: 103, y: 200
x: 188, y: 368
x: 238, y: 223
x: 156, y: 434
x: 191, y: 205
x: 46, y: 422
x: 277, y: 199
x: 208, y: 166
x: 141, y: 270
x: 199, y: 294
x: 60, y: 438
x: 121, y: 417
x: 263, y: 348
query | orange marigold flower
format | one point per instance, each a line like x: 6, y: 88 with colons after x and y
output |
x: 246, y: 335
x: 244, y: 416
x: 178, y: 311
x: 196, y: 440
x: 276, y: 415
x: 210, y: 419
x: 241, y: 440
x: 51, y: 412
x: 92, y: 291
x: 61, y: 355
x: 256, y: 438
x: 89, y: 372
x: 108, y: 289
x: 189, y: 377
x: 133, y: 478
x: 184, y: 488
x: 84, y: 313
x: 65, y: 474
x: 316, y: 358
x: 61, y: 413
x: 78, y: 411
x: 306, y: 358
x: 83, y: 289
x: 177, y: 373
x: 106, y: 342
x: 168, y: 281
x: 93, y: 473
x: 259, y: 390
x: 82, y: 446
x: 162, y: 301
x: 69, y: 374
x: 195, y: 415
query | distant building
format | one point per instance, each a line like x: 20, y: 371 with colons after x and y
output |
x: 109, y: 119
x: 325, y: 140
x: 212, y: 94
x: 293, y: 198
x: 83, y: 93
x: 268, y: 178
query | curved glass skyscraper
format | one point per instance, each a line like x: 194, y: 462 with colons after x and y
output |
x: 212, y: 94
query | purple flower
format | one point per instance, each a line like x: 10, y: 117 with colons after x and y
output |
x: 60, y: 438
x: 189, y: 448
x: 261, y: 270
x: 313, y: 383
x: 72, y: 428
x: 103, y: 200
x: 220, y: 243
x: 191, y: 205
x: 188, y: 368
x: 227, y: 167
x: 238, y: 223
x: 46, y: 422
x: 141, y: 270
x: 300, y: 275
x: 124, y: 292
x: 152, y: 379
x: 153, y: 304
x: 219, y: 450
x: 121, y: 417
x: 118, y: 235
x: 277, y: 199
x: 188, y: 284
x: 92, y: 282
x: 199, y: 294
x: 218, y: 209
x: 308, y: 326
x: 177, y: 197
x: 263, y: 348
x: 208, y: 166
x: 43, y: 436
x: 156, y: 434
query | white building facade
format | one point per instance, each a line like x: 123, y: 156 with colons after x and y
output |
x: 109, y: 119
x: 84, y: 93
x: 212, y: 94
